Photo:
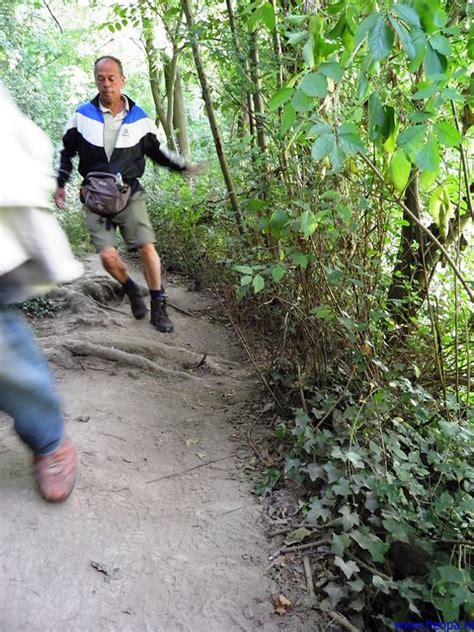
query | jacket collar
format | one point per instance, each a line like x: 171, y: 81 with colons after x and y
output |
x: 96, y: 101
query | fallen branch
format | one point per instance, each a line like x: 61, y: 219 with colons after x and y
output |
x: 190, y: 469
x: 181, y: 310
x: 303, y: 547
x: 339, y: 618
x: 309, y: 576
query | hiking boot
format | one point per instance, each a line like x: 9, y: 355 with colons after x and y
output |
x: 137, y: 304
x: 159, y: 317
x: 56, y: 472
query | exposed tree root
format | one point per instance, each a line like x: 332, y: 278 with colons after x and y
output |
x: 81, y: 348
x: 150, y: 351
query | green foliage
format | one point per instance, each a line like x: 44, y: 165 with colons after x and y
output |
x: 392, y: 478
x: 40, y: 307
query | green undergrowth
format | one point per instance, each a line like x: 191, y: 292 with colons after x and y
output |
x: 386, y: 473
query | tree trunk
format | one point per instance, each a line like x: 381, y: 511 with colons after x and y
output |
x: 179, y: 121
x: 171, y: 69
x: 417, y: 258
x: 257, y: 98
x: 245, y: 65
x: 186, y: 4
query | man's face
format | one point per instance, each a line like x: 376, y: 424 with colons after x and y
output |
x: 109, y: 81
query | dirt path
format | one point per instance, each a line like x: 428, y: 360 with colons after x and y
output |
x: 161, y: 533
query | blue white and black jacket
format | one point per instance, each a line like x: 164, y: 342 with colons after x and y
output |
x: 137, y: 138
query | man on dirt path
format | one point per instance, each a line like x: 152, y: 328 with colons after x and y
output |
x: 34, y: 255
x: 113, y: 135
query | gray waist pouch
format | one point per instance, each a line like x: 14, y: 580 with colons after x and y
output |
x: 103, y: 194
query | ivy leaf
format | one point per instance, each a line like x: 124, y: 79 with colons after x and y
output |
x: 426, y: 158
x: 314, y: 84
x: 280, y: 98
x: 332, y: 69
x: 380, y: 584
x: 314, y: 470
x: 349, y: 519
x: 316, y: 511
x: 380, y: 39
x: 246, y: 280
x: 323, y: 146
x: 407, y: 14
x: 340, y: 543
x: 268, y: 16
x: 355, y: 459
x: 258, y: 283
x: 348, y: 568
x: 342, y: 488
x: 399, y: 170
x: 371, y: 543
x: 335, y: 592
x: 447, y: 134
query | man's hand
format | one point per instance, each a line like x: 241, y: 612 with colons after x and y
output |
x: 60, y: 197
x: 195, y: 170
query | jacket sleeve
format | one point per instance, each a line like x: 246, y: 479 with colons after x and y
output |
x: 67, y: 151
x: 160, y: 154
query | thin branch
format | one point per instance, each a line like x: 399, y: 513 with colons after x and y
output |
x: 426, y: 230
x: 53, y: 16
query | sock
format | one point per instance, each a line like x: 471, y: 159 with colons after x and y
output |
x: 129, y: 284
x: 156, y: 294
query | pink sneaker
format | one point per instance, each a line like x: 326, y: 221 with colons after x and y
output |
x: 56, y: 472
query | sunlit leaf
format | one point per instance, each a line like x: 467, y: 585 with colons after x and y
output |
x: 407, y: 14
x: 399, y: 170
x: 308, y: 223
x: 447, y: 134
x: 268, y: 16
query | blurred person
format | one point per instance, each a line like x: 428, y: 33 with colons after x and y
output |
x: 113, y: 136
x: 34, y: 256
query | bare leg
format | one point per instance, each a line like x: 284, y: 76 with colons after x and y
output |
x: 151, y: 266
x: 114, y: 265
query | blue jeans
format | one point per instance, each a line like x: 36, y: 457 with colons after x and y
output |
x: 27, y: 391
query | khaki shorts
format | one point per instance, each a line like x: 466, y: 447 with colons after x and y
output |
x: 133, y: 223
